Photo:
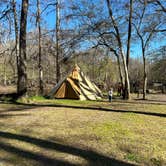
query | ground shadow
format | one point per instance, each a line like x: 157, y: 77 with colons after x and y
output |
x: 150, y: 101
x: 11, y: 115
x: 93, y: 158
x: 20, y: 108
x: 31, y: 106
x: 9, y: 96
x: 41, y: 159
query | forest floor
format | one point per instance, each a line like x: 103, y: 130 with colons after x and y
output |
x: 68, y: 132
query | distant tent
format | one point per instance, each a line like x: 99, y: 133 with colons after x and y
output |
x: 76, y: 86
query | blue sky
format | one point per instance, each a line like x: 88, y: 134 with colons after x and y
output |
x: 48, y: 21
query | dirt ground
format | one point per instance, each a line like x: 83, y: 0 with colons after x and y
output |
x: 7, y: 89
x: 152, y: 97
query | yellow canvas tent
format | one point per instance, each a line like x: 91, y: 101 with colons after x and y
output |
x: 76, y: 86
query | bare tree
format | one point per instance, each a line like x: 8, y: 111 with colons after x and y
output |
x: 146, y: 26
x: 16, y: 30
x: 57, y: 40
x: 39, y: 50
x: 22, y: 64
x: 95, y: 28
x: 126, y: 93
x: 159, y: 3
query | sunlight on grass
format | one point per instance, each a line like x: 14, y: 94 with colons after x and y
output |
x: 42, y: 100
x: 130, y: 137
x: 110, y: 131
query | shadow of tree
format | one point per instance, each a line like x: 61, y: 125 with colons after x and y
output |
x: 31, y: 106
x: 33, y: 156
x: 93, y: 158
x: 11, y: 115
x: 10, y: 109
x: 5, y: 160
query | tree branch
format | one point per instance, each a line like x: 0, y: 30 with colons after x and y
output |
x: 158, y: 2
x: 5, y: 13
x: 160, y: 30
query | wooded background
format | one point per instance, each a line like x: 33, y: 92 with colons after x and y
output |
x: 112, y: 41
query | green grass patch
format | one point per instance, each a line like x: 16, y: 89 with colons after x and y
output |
x: 43, y: 100
x: 111, y: 131
x: 37, y: 98
x: 131, y: 157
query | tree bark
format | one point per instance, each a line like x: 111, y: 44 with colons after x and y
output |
x: 40, y: 67
x: 16, y: 32
x: 57, y: 41
x: 120, y: 71
x: 145, y: 75
x: 129, y: 33
x: 126, y: 89
x: 4, y: 73
x: 22, y: 66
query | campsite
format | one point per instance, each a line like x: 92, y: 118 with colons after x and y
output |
x: 82, y: 83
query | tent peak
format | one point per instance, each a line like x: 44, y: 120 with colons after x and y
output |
x: 76, y: 67
x: 75, y: 72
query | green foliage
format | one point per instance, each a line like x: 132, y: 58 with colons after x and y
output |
x: 131, y: 157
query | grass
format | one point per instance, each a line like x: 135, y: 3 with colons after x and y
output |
x: 37, y: 135
x: 137, y: 106
x: 41, y: 99
x: 131, y: 157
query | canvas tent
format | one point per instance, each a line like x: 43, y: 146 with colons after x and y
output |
x: 76, y: 86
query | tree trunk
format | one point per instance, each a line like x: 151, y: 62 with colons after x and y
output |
x: 39, y: 49
x: 4, y: 73
x: 22, y: 66
x: 16, y: 31
x: 126, y: 89
x: 129, y: 33
x: 145, y: 76
x: 120, y: 71
x: 57, y: 41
